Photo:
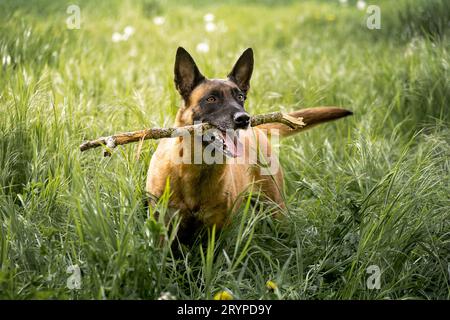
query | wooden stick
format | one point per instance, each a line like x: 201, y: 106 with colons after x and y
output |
x: 158, y: 133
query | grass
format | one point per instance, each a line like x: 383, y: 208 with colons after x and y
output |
x: 372, y: 189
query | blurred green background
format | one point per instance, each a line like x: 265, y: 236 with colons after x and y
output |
x: 368, y: 190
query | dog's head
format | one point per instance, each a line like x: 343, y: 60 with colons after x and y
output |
x: 219, y: 102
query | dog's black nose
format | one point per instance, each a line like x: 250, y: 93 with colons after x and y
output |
x: 241, y: 120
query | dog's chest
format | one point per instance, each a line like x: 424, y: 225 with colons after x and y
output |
x: 208, y: 194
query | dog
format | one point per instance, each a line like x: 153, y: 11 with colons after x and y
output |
x: 207, y: 194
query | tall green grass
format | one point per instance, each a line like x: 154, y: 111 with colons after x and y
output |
x: 368, y: 190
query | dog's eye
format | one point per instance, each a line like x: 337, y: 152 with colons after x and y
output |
x: 241, y: 97
x: 211, y: 99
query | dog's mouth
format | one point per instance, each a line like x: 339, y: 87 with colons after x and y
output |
x: 227, y: 142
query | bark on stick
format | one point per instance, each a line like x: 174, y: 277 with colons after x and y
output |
x: 158, y: 133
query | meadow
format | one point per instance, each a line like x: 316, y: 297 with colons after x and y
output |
x: 367, y: 195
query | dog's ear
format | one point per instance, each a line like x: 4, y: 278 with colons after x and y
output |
x: 187, y: 75
x: 242, y: 70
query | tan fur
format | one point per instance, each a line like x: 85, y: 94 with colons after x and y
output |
x: 211, y: 193
x: 208, y: 194
x: 311, y: 117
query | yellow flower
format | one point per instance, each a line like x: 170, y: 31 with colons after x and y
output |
x: 223, y: 295
x: 271, y: 285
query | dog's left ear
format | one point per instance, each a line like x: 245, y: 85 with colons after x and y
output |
x: 242, y: 70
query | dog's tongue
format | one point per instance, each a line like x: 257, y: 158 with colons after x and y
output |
x: 234, y: 146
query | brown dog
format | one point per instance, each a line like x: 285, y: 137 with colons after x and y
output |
x: 205, y: 193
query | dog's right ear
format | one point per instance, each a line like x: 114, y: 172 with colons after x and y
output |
x: 187, y: 75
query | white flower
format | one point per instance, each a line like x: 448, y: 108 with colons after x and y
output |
x: 210, y: 27
x: 202, y: 47
x: 159, y: 20
x: 116, y: 37
x: 129, y: 30
x: 361, y: 4
x: 209, y: 17
x: 343, y: 2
